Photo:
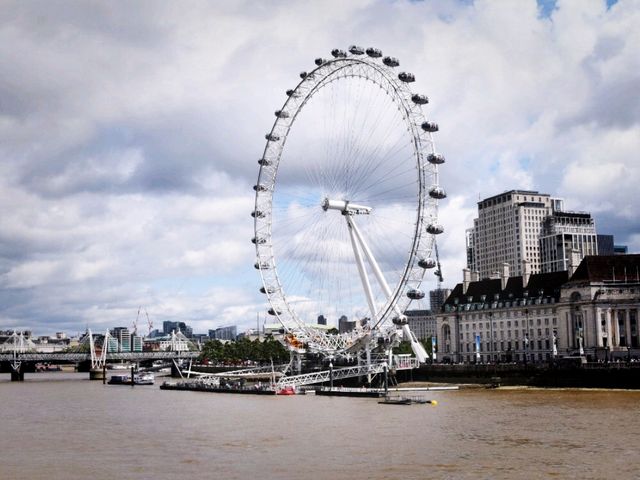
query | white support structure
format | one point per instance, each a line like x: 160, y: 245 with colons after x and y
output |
x: 361, y: 268
x: 370, y: 369
x: 98, y: 362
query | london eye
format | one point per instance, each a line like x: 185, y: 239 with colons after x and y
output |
x: 346, y: 204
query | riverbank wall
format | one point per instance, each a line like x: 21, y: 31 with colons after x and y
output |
x: 597, y: 375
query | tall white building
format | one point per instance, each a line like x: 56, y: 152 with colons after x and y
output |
x: 521, y: 225
x: 507, y: 230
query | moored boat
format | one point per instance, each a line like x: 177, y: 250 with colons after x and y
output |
x: 138, y: 379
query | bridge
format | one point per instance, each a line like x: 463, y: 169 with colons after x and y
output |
x: 18, y: 350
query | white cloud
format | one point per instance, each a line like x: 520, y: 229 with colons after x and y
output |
x: 129, y: 138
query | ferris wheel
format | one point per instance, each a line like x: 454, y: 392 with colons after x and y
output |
x: 346, y: 204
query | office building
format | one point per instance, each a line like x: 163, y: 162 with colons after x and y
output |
x: 344, y: 325
x: 565, y: 234
x: 437, y: 298
x: 123, y: 337
x: 508, y: 230
x: 224, y: 333
x: 521, y: 225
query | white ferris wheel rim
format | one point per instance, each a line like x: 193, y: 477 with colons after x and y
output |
x: 381, y: 73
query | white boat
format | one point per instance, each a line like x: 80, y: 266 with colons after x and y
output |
x: 144, y: 379
x: 138, y: 379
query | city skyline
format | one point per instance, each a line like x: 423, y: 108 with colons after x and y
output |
x: 130, y: 137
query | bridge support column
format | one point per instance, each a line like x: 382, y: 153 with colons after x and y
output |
x: 17, y: 375
x: 175, y: 371
x: 96, y: 374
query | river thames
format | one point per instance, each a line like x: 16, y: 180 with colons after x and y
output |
x: 63, y: 426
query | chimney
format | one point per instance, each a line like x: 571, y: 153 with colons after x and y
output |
x: 574, y: 261
x: 526, y: 272
x: 504, y: 276
x: 466, y: 279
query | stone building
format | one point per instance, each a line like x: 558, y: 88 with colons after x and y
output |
x: 590, y: 310
x: 422, y: 323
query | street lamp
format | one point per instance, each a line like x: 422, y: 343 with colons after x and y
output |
x: 491, y: 349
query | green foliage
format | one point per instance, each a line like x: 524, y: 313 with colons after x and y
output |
x: 404, y: 347
x: 244, y: 349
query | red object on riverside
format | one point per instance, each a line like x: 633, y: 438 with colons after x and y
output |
x: 286, y: 391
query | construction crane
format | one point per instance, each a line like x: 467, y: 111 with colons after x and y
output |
x: 438, y: 272
x: 135, y: 322
x: 149, y: 322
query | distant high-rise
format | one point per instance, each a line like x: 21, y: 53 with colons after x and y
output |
x: 168, y: 327
x: 123, y: 336
x: 344, y: 325
x: 605, y: 244
x: 224, y: 333
x: 322, y: 320
x: 437, y: 298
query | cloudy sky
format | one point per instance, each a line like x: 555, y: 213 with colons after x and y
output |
x: 129, y: 134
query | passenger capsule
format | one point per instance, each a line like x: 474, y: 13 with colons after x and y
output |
x: 356, y: 50
x: 303, y: 75
x: 430, y: 127
x: 267, y: 290
x: 336, y: 52
x: 435, y: 158
x: 435, y: 229
x: 260, y: 188
x: 401, y: 320
x: 391, y: 61
x: 426, y: 263
x: 374, y: 52
x: 281, y: 114
x: 265, y: 162
x: 437, y: 192
x: 257, y: 214
x: 406, y: 77
x: 320, y: 61
x: 415, y: 294
x: 272, y: 137
x: 273, y: 312
x: 258, y: 240
x: 419, y: 99
x: 261, y: 265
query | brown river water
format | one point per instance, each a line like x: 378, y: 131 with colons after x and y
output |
x: 63, y: 426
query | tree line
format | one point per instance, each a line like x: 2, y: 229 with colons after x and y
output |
x: 244, y: 349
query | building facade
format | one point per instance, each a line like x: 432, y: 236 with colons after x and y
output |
x: 422, y: 323
x: 590, y: 311
x: 565, y: 234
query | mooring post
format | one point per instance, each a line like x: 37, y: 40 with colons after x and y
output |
x: 386, y: 379
x: 104, y: 373
x: 331, y: 376
x: 132, y: 382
